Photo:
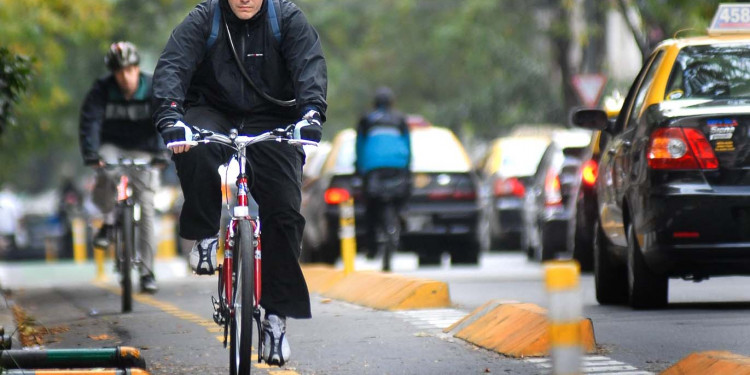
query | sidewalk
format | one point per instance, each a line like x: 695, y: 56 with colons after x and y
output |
x: 39, y: 274
x: 16, y: 276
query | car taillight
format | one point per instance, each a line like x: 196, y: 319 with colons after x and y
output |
x: 680, y: 148
x: 336, y: 195
x: 508, y: 186
x: 552, y: 193
x: 588, y: 172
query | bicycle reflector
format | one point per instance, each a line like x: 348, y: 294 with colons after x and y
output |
x: 336, y: 195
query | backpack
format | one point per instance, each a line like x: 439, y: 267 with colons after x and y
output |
x: 274, y: 19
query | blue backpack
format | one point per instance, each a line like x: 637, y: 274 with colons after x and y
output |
x: 274, y: 19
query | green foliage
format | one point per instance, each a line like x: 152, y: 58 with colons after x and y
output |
x: 62, y: 37
x: 15, y: 74
x: 471, y: 65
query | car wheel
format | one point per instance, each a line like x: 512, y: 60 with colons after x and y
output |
x: 646, y: 288
x: 429, y: 258
x: 551, y: 241
x: 583, y: 250
x: 611, y: 280
x: 462, y: 254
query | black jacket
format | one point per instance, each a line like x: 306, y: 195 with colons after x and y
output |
x: 189, y: 75
x: 107, y: 117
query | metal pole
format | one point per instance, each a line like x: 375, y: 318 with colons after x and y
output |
x: 119, y: 357
x: 78, y: 372
x: 565, y: 314
x: 347, y: 234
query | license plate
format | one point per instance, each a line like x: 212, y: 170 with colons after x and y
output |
x: 417, y: 223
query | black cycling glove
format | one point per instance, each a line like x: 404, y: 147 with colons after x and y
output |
x: 178, y: 132
x: 309, y: 128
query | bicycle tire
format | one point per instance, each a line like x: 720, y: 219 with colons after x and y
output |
x: 125, y: 253
x: 392, y: 230
x: 241, y: 324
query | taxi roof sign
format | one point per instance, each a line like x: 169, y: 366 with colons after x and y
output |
x: 731, y: 18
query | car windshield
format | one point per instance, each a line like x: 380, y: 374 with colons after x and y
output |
x: 521, y: 157
x: 714, y: 72
x: 437, y: 150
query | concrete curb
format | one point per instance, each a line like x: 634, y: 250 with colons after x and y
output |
x: 513, y: 329
x: 709, y: 363
x: 378, y: 290
x: 320, y: 278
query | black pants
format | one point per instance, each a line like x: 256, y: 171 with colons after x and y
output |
x: 275, y: 182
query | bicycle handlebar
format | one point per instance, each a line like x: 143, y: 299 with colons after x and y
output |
x: 127, y: 162
x: 236, y: 141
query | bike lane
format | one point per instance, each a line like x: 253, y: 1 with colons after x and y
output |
x: 175, y: 331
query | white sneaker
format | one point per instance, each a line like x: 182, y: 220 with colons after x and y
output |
x: 203, y: 256
x: 276, y: 349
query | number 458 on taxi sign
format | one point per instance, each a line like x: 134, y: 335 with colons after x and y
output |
x: 731, y: 18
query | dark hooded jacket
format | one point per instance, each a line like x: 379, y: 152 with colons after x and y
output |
x: 107, y: 117
x: 189, y: 74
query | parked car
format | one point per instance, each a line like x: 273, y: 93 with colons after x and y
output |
x: 580, y: 238
x: 506, y: 170
x: 441, y: 215
x: 546, y: 202
x: 673, y: 180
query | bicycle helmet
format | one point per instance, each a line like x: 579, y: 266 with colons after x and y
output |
x: 120, y: 55
x: 384, y: 97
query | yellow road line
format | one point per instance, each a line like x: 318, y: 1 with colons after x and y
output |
x: 175, y: 311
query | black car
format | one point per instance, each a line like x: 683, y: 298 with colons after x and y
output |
x: 673, y: 182
x: 442, y: 215
x: 546, y: 202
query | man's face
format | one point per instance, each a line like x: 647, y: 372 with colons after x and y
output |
x: 127, y: 79
x: 245, y: 9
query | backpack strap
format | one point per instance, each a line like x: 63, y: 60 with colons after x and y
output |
x: 274, y: 17
x: 214, y: 26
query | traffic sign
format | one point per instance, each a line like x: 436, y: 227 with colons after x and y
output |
x: 589, y: 87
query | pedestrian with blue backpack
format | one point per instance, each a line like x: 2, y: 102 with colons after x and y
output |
x: 250, y: 65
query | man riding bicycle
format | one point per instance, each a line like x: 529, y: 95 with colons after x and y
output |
x: 116, y: 123
x: 267, y: 71
x: 383, y: 150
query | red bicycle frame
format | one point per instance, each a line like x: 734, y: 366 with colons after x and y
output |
x: 227, y: 266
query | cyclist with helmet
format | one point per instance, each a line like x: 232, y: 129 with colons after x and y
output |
x: 264, y: 69
x: 383, y: 152
x: 116, y: 123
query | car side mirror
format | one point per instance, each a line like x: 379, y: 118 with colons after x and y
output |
x: 592, y: 119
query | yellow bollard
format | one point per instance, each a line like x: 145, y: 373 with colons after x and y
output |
x: 50, y: 249
x: 347, y: 234
x: 78, y: 226
x: 165, y: 229
x: 99, y: 255
x: 565, y: 315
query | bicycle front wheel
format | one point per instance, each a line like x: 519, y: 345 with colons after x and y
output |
x: 125, y: 249
x: 241, y: 325
x: 392, y: 229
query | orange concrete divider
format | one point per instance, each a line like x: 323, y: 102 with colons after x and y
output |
x: 379, y: 290
x: 321, y: 277
x: 513, y: 329
x: 711, y: 363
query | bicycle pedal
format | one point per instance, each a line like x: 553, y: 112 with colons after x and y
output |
x: 219, y: 315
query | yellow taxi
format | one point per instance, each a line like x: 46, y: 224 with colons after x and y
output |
x: 674, y: 176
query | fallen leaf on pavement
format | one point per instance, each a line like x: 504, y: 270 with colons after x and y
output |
x: 101, y: 337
